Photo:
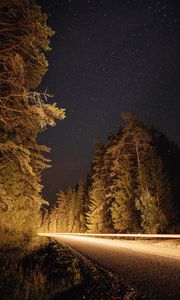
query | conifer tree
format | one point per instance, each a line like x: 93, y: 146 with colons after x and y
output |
x: 100, y: 174
x: 62, y: 212
x: 71, y: 209
x: 44, y: 221
x: 170, y: 156
x: 53, y: 220
x: 96, y: 216
x: 136, y: 142
x: 24, y: 37
x: 79, y: 215
x: 155, y: 202
x: 139, y: 176
x: 124, y: 214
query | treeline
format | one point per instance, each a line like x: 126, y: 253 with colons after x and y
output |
x: 133, y: 186
x: 24, y: 113
x: 69, y: 213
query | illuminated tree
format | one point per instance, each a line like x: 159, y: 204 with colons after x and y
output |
x: 79, y: 215
x: 24, y: 37
x: 97, y: 210
x: 44, y: 221
x: 62, y: 212
x: 155, y: 202
x: 153, y: 218
x: 53, y: 216
x: 71, y: 209
x: 100, y: 179
x: 139, y: 177
x: 123, y: 210
x: 136, y: 143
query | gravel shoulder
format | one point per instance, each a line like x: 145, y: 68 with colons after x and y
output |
x: 97, y: 283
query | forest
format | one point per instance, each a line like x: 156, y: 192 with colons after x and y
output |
x: 133, y: 184
x: 24, y: 113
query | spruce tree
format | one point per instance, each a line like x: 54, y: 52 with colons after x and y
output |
x: 100, y: 175
x: 138, y: 178
x: 155, y: 202
x: 170, y: 156
x: 123, y: 210
x: 62, y: 211
x: 53, y: 220
x: 44, y: 221
x: 71, y: 209
x: 97, y: 211
x: 136, y: 142
x: 79, y: 214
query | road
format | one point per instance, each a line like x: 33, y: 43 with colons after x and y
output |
x: 153, y: 271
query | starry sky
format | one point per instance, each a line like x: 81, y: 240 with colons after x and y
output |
x: 108, y: 57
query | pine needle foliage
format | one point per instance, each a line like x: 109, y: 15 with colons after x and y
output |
x: 24, y: 113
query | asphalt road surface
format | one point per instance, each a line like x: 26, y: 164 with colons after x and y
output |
x: 153, y: 271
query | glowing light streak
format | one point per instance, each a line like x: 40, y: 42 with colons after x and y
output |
x: 111, y: 235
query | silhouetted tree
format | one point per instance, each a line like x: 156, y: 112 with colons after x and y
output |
x: 170, y: 156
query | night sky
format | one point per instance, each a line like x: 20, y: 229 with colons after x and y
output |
x: 108, y: 57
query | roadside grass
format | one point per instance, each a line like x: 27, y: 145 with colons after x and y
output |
x: 43, y: 269
x: 39, y: 270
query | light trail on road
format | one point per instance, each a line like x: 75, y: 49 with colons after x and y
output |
x: 143, y: 264
x: 147, y: 245
x: 141, y: 235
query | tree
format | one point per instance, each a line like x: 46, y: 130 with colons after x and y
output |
x: 24, y: 37
x: 153, y: 218
x: 96, y: 216
x: 136, y: 142
x: 100, y: 176
x: 79, y: 215
x: 170, y: 156
x: 155, y: 202
x: 53, y: 220
x: 139, y: 177
x: 123, y: 210
x: 62, y: 212
x: 44, y: 221
x: 71, y: 208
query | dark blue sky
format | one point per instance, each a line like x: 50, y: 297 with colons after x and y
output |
x: 108, y: 57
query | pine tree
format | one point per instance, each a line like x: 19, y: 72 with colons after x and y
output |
x: 24, y: 37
